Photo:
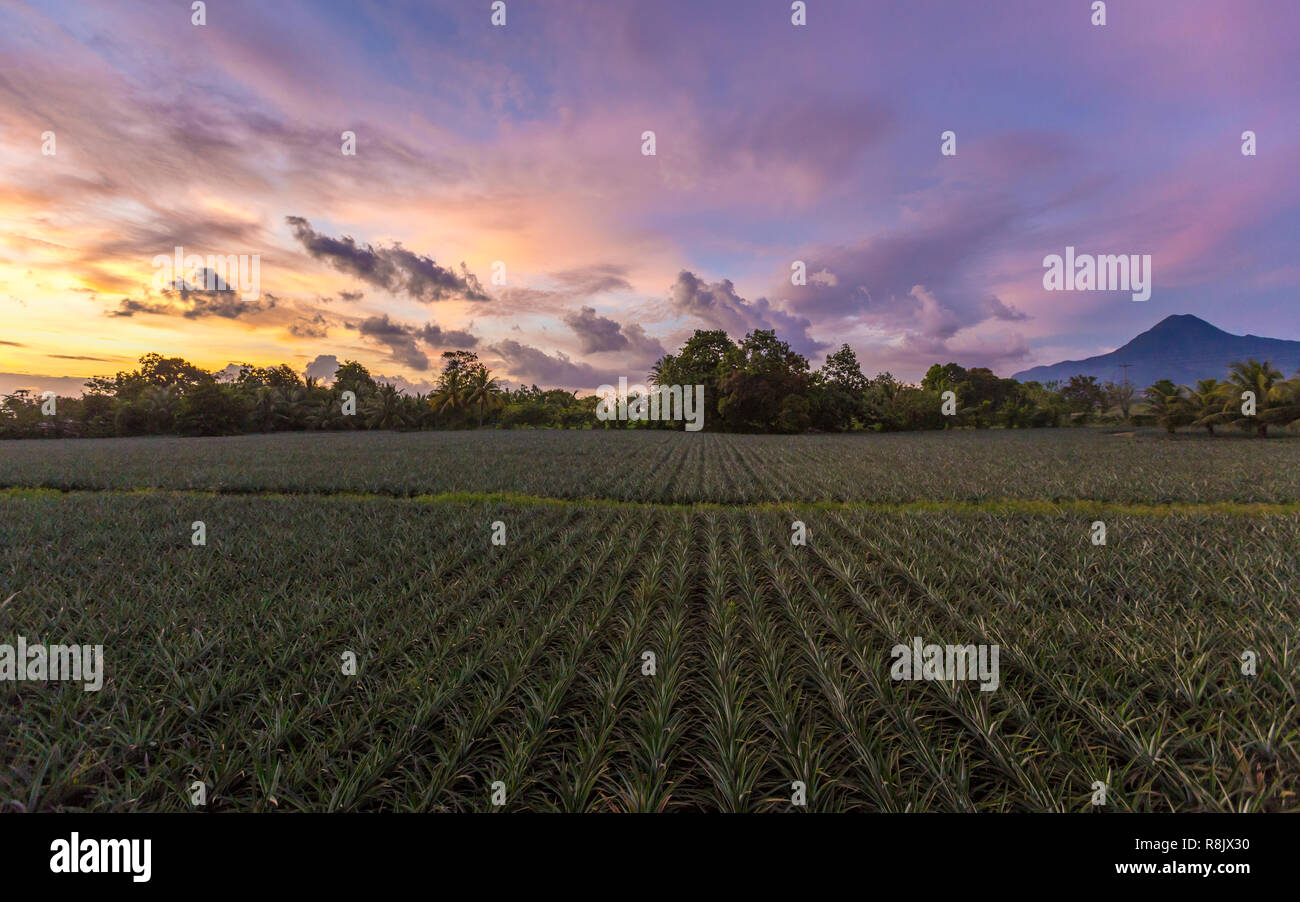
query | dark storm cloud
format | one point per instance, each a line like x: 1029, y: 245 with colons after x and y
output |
x: 641, y: 344
x: 309, y: 327
x: 595, y: 333
x: 529, y: 364
x: 997, y: 309
x: 398, y: 338
x: 719, y: 307
x: 439, y: 337
x: 394, y: 269
x: 403, y: 341
x: 196, y: 303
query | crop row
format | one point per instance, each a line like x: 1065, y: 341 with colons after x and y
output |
x: 524, y: 664
x: 680, y: 467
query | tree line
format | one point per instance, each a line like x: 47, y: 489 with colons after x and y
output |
x: 758, y: 384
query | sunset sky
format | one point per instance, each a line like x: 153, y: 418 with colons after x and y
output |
x: 522, y: 144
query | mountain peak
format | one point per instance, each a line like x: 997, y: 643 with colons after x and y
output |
x: 1178, y: 329
x: 1185, y: 323
x: 1180, y: 347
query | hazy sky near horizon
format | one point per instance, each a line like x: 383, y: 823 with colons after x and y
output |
x: 522, y: 144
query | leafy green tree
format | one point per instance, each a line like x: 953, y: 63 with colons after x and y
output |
x: 1083, y: 396
x: 881, y: 403
x: 97, y: 414
x: 942, y: 378
x: 354, y: 377
x: 920, y: 408
x: 1046, y: 407
x: 981, y: 395
x: 795, y: 415
x: 842, y: 371
x: 767, y: 371
x: 20, y: 414
x: 212, y: 409
x: 282, y: 376
x: 1028, y: 406
x: 837, y: 392
x: 1120, y: 395
x: 172, y: 371
x: 159, y: 404
x: 758, y: 385
x: 706, y: 358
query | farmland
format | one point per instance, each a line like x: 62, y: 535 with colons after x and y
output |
x: 673, y: 467
x: 523, y: 663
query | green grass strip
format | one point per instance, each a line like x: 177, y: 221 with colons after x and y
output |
x: 1031, y: 506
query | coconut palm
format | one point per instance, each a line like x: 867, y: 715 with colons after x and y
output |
x: 289, y: 406
x: 1284, y: 403
x: 1207, y: 404
x: 420, y: 410
x: 449, y: 399
x: 481, y: 391
x: 656, y: 375
x: 318, y: 405
x: 158, y: 404
x: 1167, y: 404
x: 1259, y: 379
x: 321, y: 411
x: 385, y: 409
x: 263, y: 411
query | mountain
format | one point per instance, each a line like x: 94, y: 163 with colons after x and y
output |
x: 70, y: 386
x: 1183, y: 348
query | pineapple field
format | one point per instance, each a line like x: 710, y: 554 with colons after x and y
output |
x: 614, y: 621
x: 664, y: 467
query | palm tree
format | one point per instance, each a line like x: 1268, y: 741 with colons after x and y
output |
x: 385, y: 409
x: 656, y: 376
x: 1207, y: 404
x: 1167, y: 404
x: 264, y: 409
x: 319, y: 405
x: 450, y: 396
x: 158, y: 403
x: 481, y: 391
x: 1259, y: 379
x: 1284, y: 403
x: 421, y: 410
x: 289, y: 406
